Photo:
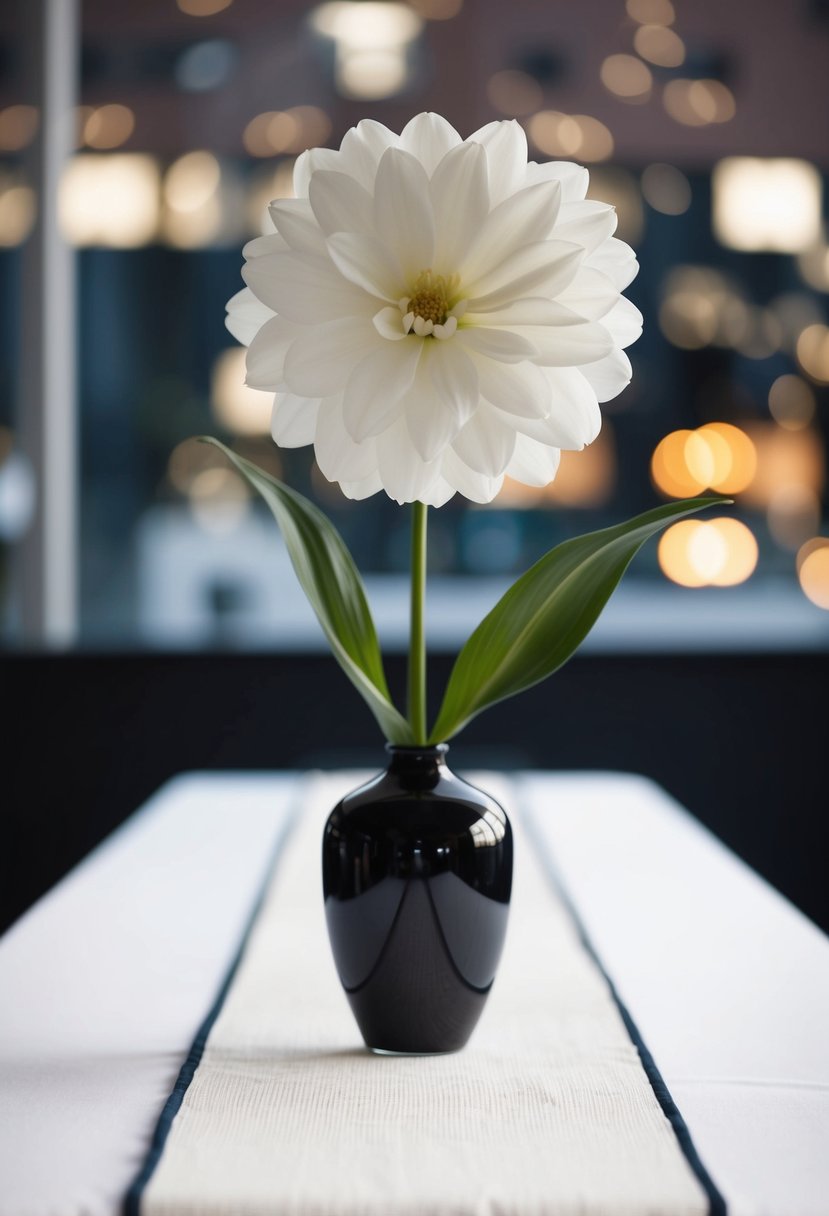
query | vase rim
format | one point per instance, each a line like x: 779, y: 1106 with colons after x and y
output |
x: 423, y: 749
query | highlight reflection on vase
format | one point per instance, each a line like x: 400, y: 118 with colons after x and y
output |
x: 417, y: 873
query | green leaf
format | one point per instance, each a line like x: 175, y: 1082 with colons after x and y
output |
x: 332, y: 583
x: 538, y: 624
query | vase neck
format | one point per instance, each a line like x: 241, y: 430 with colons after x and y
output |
x: 418, y: 767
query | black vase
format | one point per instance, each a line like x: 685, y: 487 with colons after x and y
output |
x: 417, y: 873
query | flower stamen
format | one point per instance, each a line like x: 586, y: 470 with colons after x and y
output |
x: 429, y: 310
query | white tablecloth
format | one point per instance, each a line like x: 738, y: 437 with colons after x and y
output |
x: 104, y: 983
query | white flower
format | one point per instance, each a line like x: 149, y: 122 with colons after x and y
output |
x: 434, y: 313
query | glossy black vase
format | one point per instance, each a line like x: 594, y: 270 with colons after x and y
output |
x: 417, y: 873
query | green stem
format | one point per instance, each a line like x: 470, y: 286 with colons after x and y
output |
x: 417, y: 643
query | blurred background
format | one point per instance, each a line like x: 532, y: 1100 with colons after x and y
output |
x: 148, y: 618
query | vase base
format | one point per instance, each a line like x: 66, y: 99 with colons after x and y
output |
x: 384, y: 1051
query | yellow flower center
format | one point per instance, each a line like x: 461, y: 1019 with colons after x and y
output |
x: 432, y: 296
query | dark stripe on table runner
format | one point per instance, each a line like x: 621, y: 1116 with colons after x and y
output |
x: 716, y: 1201
x: 132, y: 1200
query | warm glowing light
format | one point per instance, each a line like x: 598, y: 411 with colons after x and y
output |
x: 108, y: 126
x: 688, y: 318
x: 718, y: 456
x: 814, y: 265
x: 793, y: 515
x: 514, y: 93
x: 813, y: 352
x: 265, y: 187
x: 791, y: 402
x: 110, y: 200
x: 585, y: 482
x: 651, y: 12
x: 659, y: 45
x: 203, y: 8
x: 188, y: 459
x: 369, y: 25
x: 219, y: 500
x: 242, y: 410
x: 18, y: 125
x: 766, y: 204
x: 571, y: 135
x: 193, y: 207
x: 372, y: 74
x: 813, y: 571
x: 696, y: 103
x: 714, y: 553
x: 784, y: 458
x: 17, y: 214
x: 666, y: 189
x: 627, y: 77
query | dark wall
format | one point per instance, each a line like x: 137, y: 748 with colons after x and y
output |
x: 741, y: 741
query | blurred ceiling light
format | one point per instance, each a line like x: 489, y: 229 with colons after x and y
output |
x: 108, y: 126
x: 18, y: 126
x: 666, y: 189
x: 205, y: 65
x: 110, y: 200
x: 17, y: 213
x: 651, y: 12
x: 784, y: 458
x: 571, y: 135
x: 696, y: 103
x: 813, y: 352
x: 620, y: 188
x: 813, y: 571
x: 263, y: 189
x: 371, y: 39
x: 793, y: 515
x: 791, y: 402
x: 437, y: 10
x: 718, y: 456
x: 203, y: 8
x: 242, y: 410
x: 514, y: 93
x: 659, y: 45
x: 813, y: 264
x: 771, y: 205
x: 627, y: 77
x: 715, y: 553
x: 192, y: 201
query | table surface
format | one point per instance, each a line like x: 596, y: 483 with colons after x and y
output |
x: 105, y: 982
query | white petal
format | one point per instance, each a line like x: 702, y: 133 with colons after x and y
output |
x: 294, y: 420
x: 455, y: 378
x: 297, y: 224
x: 545, y: 268
x: 376, y: 386
x: 573, y: 178
x: 433, y: 418
x: 475, y: 486
x: 261, y: 246
x: 305, y: 288
x: 587, y: 224
x: 460, y: 198
x: 623, y: 322
x: 312, y: 161
x: 362, y: 149
x: 486, y: 443
x: 246, y: 315
x: 359, y: 490
x: 617, y: 260
x: 532, y: 463
x: 321, y: 358
x: 608, y: 376
x: 520, y: 389
x: 405, y: 477
x: 532, y: 310
x: 265, y: 361
x: 502, y: 344
x: 506, y: 149
x: 340, y: 204
x: 368, y: 263
x: 574, y: 420
x: 338, y: 456
x: 403, y: 211
x: 429, y: 137
x: 389, y: 323
x: 522, y: 219
x: 591, y: 294
x: 569, y: 345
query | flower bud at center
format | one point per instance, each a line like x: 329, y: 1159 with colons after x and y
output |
x: 431, y: 297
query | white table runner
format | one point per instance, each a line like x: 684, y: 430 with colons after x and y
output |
x: 547, y: 1111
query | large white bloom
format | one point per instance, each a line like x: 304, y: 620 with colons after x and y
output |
x: 434, y: 313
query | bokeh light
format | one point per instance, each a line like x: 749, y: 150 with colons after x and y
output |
x: 651, y: 12
x: 791, y: 402
x: 110, y: 200
x: 716, y: 456
x: 514, y: 93
x: 813, y: 352
x: 813, y: 571
x: 666, y: 189
x: 627, y: 77
x: 18, y: 127
x: 659, y: 45
x: 708, y: 553
x: 108, y: 126
x: 771, y: 205
x: 242, y: 410
x: 577, y: 136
